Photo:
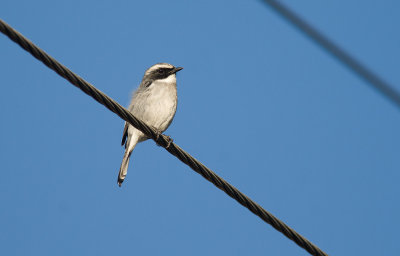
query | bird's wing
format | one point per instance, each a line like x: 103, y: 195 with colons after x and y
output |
x: 125, y: 134
x: 131, y: 109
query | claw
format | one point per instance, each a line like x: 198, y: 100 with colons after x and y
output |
x: 170, y: 140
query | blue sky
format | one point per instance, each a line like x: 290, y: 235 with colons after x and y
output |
x: 259, y: 103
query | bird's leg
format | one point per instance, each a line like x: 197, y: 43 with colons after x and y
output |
x: 169, y: 139
x: 158, y: 134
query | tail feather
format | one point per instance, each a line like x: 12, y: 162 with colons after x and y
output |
x: 123, y: 169
x: 131, y: 141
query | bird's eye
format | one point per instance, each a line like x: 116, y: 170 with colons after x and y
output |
x: 160, y: 71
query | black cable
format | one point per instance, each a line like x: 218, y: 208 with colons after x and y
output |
x: 374, y: 80
x: 162, y: 140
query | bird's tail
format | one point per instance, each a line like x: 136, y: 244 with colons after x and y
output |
x: 123, y: 170
x: 131, y: 142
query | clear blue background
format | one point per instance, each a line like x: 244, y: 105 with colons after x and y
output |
x: 259, y: 103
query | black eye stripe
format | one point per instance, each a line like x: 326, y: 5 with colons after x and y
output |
x: 164, y: 69
x: 161, y: 73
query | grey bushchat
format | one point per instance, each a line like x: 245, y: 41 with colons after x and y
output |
x: 154, y: 102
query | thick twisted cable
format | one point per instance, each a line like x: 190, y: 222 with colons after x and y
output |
x: 161, y: 140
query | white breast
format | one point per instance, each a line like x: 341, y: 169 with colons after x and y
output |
x: 156, y: 106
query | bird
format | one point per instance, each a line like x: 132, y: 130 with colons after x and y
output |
x: 154, y: 102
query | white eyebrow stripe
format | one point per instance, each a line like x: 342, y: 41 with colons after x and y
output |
x: 159, y: 65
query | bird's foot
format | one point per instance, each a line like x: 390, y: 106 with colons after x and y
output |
x: 169, y: 139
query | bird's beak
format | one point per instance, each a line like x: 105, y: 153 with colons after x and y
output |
x: 176, y: 70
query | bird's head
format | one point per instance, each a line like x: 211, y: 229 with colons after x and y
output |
x: 161, y: 72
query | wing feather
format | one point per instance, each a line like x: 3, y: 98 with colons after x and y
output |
x: 125, y: 134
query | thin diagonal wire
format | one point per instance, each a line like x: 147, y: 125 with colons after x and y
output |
x: 161, y: 140
x: 374, y: 80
